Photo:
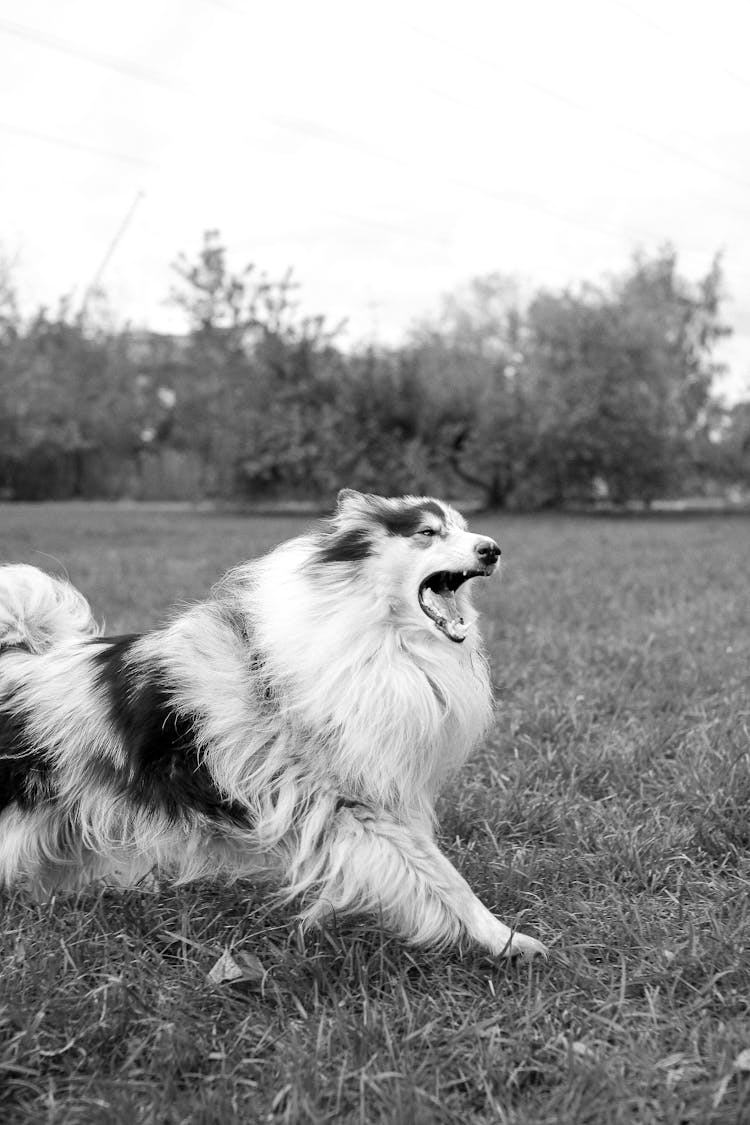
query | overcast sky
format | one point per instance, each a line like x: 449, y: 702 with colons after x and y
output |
x: 387, y: 151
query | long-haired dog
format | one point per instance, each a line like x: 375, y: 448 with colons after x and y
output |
x: 295, y: 727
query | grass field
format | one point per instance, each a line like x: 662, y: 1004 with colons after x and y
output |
x: 606, y: 814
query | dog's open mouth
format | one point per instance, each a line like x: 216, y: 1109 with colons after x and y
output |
x: 437, y: 598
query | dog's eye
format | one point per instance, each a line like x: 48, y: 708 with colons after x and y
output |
x: 428, y: 532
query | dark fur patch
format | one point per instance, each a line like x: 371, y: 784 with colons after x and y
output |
x: 344, y: 546
x: 166, y: 771
x: 235, y: 621
x: 348, y: 803
x: 24, y: 769
x: 407, y: 520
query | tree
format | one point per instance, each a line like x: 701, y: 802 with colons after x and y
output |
x: 472, y: 359
x: 622, y: 377
x: 68, y: 411
x: 255, y: 388
x: 724, y: 450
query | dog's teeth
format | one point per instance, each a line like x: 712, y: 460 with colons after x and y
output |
x: 457, y: 628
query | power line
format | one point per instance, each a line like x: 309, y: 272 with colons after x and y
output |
x: 670, y: 34
x: 323, y: 132
x: 109, y: 154
x: 334, y: 136
x: 445, y: 96
x: 393, y: 228
x: 76, y: 146
x: 224, y: 6
x: 574, y: 103
x: 326, y: 133
x: 98, y: 58
x: 134, y: 70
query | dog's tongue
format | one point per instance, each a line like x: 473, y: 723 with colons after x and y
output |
x: 447, y: 617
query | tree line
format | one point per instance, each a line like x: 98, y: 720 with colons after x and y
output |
x: 602, y: 393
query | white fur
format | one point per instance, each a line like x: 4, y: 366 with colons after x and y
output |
x: 38, y: 613
x: 323, y: 702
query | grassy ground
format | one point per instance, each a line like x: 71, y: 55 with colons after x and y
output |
x: 607, y: 813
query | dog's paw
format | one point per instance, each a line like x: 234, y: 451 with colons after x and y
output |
x: 522, y: 946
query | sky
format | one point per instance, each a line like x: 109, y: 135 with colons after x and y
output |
x: 388, y: 152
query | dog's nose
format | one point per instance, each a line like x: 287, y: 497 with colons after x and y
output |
x: 488, y: 552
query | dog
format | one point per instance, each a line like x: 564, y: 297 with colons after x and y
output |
x: 294, y: 728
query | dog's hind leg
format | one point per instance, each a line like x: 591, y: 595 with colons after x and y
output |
x: 376, y: 864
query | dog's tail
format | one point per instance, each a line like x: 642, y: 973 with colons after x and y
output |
x: 38, y: 611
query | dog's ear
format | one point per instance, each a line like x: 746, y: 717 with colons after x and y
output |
x: 347, y: 496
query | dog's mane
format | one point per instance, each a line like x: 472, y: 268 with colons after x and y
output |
x: 317, y: 625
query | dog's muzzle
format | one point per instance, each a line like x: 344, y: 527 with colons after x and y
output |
x: 437, y: 592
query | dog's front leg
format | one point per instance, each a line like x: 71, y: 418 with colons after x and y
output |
x: 377, y: 864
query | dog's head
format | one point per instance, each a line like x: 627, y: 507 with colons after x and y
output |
x: 416, y: 552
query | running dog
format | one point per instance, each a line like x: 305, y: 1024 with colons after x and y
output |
x: 295, y: 728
